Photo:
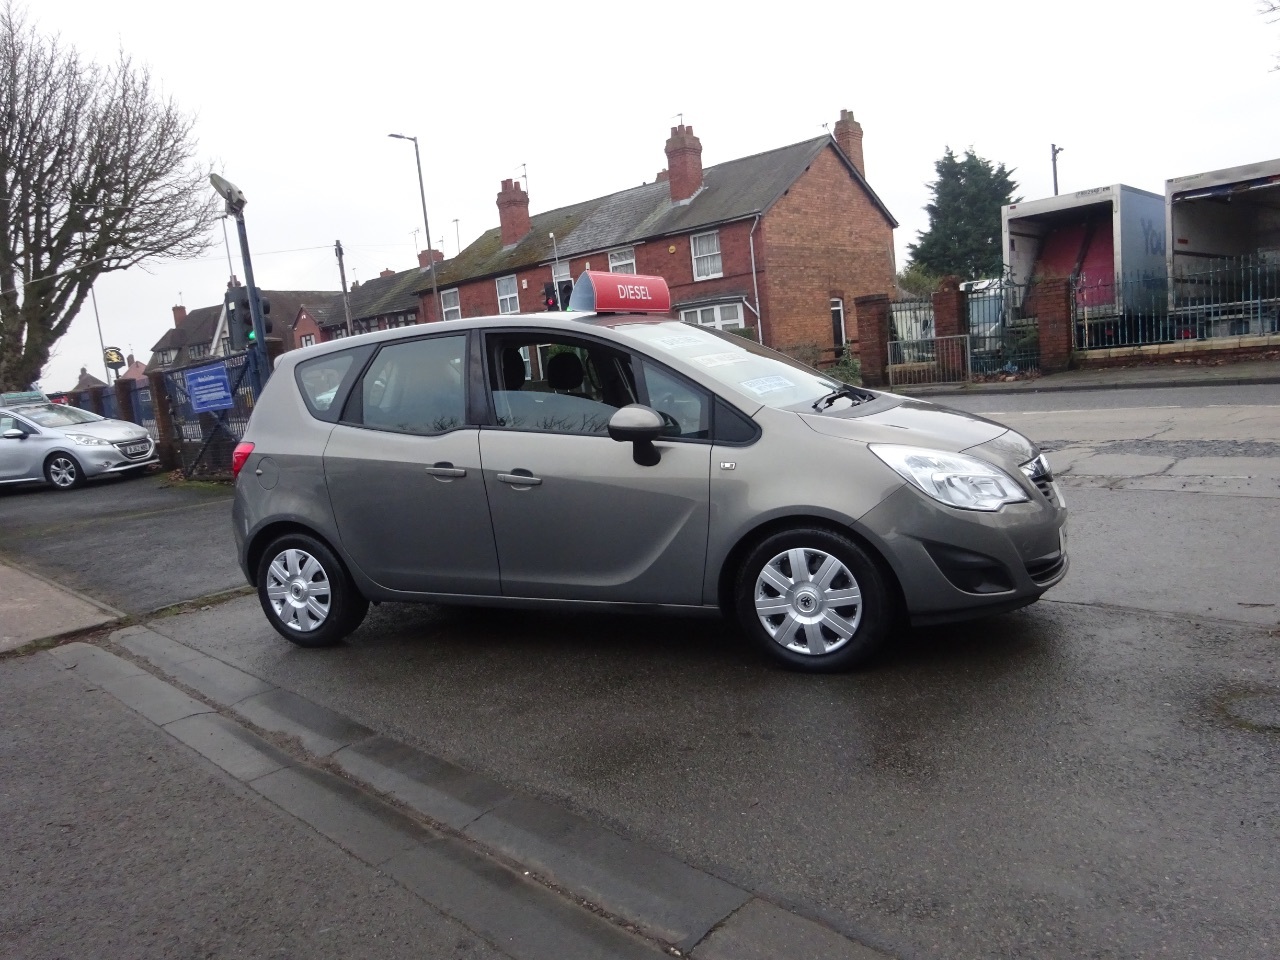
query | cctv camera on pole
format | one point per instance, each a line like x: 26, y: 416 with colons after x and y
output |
x: 259, y: 366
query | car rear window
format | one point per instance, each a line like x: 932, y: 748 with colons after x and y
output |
x: 320, y: 381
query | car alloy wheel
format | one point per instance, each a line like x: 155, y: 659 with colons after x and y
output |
x: 63, y: 471
x: 306, y: 592
x: 813, y: 599
x: 808, y: 601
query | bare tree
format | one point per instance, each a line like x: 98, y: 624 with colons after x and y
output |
x: 1271, y: 10
x: 96, y: 174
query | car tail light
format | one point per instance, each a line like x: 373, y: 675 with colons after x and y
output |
x: 238, y: 456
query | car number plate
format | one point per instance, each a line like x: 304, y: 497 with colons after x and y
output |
x: 133, y: 449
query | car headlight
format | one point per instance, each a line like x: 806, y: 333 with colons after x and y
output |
x: 955, y: 479
x: 86, y: 441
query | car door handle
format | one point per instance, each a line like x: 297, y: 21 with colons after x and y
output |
x: 520, y: 478
x: 446, y: 469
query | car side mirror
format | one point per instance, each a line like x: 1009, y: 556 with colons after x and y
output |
x: 14, y: 434
x: 639, y: 425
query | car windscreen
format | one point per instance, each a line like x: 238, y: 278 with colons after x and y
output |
x: 56, y: 415
x: 770, y: 377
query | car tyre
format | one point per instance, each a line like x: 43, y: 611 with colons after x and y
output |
x: 813, y: 600
x: 63, y: 471
x: 306, y: 592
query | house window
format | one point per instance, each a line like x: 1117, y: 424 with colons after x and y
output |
x: 168, y: 356
x: 706, y: 255
x: 508, y: 295
x: 837, y: 322
x: 337, y: 333
x: 623, y: 261
x: 308, y: 339
x: 198, y: 350
x: 451, y: 304
x: 722, y: 316
x: 226, y: 346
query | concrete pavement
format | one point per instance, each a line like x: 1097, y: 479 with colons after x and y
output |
x: 34, y: 610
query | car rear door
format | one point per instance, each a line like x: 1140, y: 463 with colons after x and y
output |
x: 574, y: 516
x: 403, y: 473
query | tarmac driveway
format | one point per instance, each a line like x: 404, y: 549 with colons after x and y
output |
x: 136, y: 544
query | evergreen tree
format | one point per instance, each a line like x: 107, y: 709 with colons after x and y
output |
x: 963, y: 238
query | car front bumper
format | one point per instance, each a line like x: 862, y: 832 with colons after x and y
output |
x: 954, y: 564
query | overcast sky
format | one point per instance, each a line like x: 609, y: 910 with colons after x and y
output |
x: 294, y: 101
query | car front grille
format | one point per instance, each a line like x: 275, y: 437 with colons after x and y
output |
x: 1046, y: 568
x: 1040, y: 473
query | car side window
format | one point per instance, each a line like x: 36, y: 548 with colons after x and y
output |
x: 685, y: 410
x: 320, y: 380
x: 416, y: 386
x: 556, y: 384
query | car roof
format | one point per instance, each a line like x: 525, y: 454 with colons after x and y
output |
x: 553, y: 320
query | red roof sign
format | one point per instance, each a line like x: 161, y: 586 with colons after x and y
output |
x: 600, y: 292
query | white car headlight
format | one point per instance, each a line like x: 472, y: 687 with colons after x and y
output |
x: 955, y: 479
x: 86, y: 441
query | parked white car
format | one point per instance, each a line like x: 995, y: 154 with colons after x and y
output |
x: 62, y: 445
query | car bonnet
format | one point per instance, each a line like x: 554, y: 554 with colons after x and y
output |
x: 911, y: 422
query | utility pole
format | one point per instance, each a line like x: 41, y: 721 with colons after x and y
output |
x: 342, y: 272
x: 1054, y: 151
x: 457, y: 235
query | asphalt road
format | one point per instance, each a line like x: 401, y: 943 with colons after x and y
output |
x: 137, y: 544
x: 1095, y: 775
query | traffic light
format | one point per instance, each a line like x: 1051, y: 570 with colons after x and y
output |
x: 240, y: 318
x: 566, y: 291
x: 549, y: 301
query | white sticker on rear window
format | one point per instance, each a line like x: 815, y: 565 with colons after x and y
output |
x: 763, y: 385
x: 720, y: 359
x: 679, y: 340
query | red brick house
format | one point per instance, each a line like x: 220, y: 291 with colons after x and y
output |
x: 781, y: 242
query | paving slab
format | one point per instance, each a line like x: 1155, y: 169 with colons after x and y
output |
x: 762, y: 931
x: 156, y: 700
x: 322, y: 731
x: 667, y: 899
x: 373, y: 831
x: 432, y: 786
x: 32, y: 609
x: 521, y: 917
x: 230, y: 746
x: 93, y: 665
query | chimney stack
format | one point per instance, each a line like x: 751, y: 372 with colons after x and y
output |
x: 848, y: 136
x: 513, y: 213
x: 684, y: 163
x: 179, y: 314
x: 425, y: 257
x: 387, y: 273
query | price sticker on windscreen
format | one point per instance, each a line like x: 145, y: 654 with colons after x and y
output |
x: 763, y: 385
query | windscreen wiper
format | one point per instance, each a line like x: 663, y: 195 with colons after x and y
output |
x: 851, y: 393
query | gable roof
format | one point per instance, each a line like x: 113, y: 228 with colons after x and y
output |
x: 380, y: 296
x: 733, y: 190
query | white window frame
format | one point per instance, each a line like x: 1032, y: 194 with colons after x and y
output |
x: 509, y: 302
x: 451, y: 311
x: 707, y: 273
x: 837, y: 303
x: 693, y: 315
x: 620, y: 259
x: 308, y: 340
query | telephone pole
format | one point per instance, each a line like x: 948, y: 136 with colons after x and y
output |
x: 1054, y: 150
x: 342, y: 272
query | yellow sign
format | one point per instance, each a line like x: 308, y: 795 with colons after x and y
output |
x: 114, y: 357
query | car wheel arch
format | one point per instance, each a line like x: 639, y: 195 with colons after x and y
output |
x: 279, y: 528
x: 748, y: 541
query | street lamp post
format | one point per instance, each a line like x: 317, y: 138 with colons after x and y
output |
x: 417, y: 156
x: 259, y: 364
x: 1054, y: 150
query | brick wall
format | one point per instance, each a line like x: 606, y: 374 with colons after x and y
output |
x: 1050, y: 301
x: 825, y: 238
x: 670, y: 258
x: 872, y: 313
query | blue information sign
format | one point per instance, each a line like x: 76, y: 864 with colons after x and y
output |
x: 209, y: 388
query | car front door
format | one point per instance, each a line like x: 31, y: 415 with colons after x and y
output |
x: 403, y: 472
x: 574, y: 516
x: 19, y: 456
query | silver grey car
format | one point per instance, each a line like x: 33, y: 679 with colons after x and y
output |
x: 630, y: 461
x: 63, y: 445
